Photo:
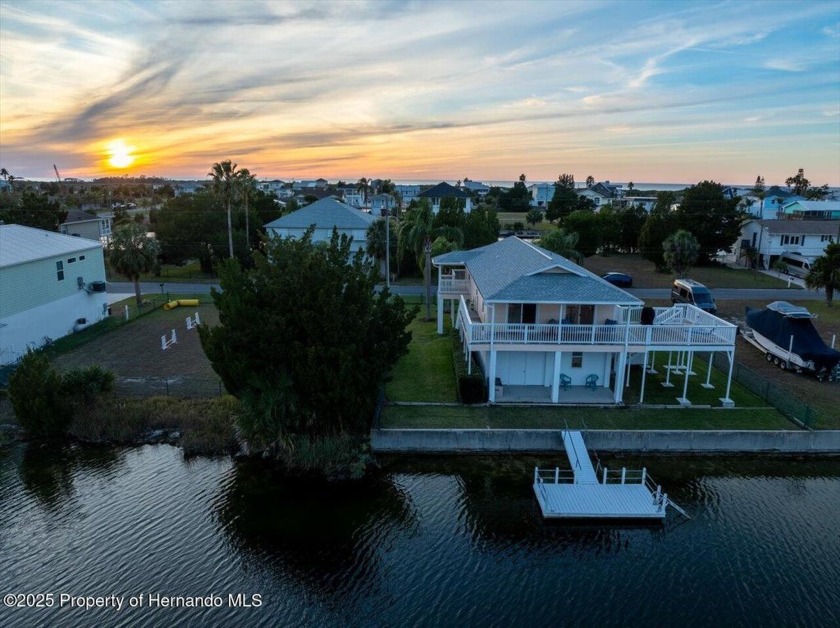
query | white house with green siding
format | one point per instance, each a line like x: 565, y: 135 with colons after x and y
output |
x: 51, y: 285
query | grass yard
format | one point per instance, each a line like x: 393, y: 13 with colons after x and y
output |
x: 546, y: 417
x: 170, y: 273
x: 133, y: 351
x: 427, y: 373
x: 645, y: 275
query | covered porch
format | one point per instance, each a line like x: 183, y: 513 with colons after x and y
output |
x: 573, y: 395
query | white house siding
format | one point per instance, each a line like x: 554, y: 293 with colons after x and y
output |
x: 535, y: 368
x: 323, y: 235
x: 771, y: 245
x: 34, y: 303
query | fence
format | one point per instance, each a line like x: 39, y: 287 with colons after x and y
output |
x: 185, y: 387
x: 768, y: 390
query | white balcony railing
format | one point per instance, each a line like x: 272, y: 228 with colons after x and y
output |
x: 688, y: 329
x: 447, y: 285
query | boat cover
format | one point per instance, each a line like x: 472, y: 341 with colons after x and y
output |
x: 778, y: 326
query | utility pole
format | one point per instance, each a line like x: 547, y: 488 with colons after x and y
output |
x: 427, y: 249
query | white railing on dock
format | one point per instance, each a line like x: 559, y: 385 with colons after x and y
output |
x: 447, y: 285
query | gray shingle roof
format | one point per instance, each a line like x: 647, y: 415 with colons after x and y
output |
x: 801, y: 227
x: 19, y: 244
x: 324, y: 214
x: 444, y: 190
x: 513, y: 270
x: 77, y: 215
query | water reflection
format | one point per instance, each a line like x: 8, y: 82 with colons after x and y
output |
x: 324, y: 534
x: 48, y: 473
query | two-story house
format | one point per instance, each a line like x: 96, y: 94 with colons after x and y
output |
x: 535, y: 321
x: 51, y: 285
x: 443, y: 190
x: 541, y: 194
x: 324, y: 215
x: 84, y: 225
x: 772, y: 238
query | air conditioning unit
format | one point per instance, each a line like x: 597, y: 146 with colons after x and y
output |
x: 97, y: 286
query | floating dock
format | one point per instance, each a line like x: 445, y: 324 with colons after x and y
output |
x: 584, y: 493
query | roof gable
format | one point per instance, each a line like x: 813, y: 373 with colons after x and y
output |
x: 324, y: 214
x: 514, y: 270
x: 443, y: 190
x: 20, y: 244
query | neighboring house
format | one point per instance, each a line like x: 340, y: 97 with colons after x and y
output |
x: 812, y: 210
x: 537, y: 322
x: 188, y: 187
x: 84, y: 225
x: 601, y: 193
x: 771, y: 238
x: 407, y: 193
x: 443, y: 190
x: 51, y: 285
x: 304, y: 196
x: 645, y: 202
x: 476, y: 187
x: 326, y: 214
x: 274, y: 186
x: 381, y: 203
x: 356, y: 198
x: 541, y: 194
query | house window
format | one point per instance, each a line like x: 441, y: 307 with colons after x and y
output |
x: 59, y: 270
x: 81, y: 257
x: 790, y: 239
x: 525, y: 313
x: 577, y: 359
x: 71, y: 260
x: 580, y: 314
x: 826, y: 238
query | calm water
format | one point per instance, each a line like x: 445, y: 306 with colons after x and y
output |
x: 431, y: 542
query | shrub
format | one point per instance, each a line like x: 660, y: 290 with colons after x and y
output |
x: 36, y: 393
x: 339, y: 457
x: 471, y: 387
x: 86, y: 384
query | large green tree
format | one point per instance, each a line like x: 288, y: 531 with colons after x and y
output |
x: 566, y: 200
x: 34, y: 210
x: 825, y: 272
x: 132, y: 253
x: 192, y: 226
x: 561, y: 242
x: 661, y: 223
x: 713, y: 219
x: 304, y: 339
x: 584, y: 222
x: 680, y: 251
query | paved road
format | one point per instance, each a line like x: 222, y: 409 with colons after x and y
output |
x: 721, y: 294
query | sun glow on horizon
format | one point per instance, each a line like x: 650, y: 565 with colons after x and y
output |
x: 120, y: 154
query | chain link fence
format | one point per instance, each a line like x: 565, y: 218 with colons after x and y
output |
x: 768, y: 390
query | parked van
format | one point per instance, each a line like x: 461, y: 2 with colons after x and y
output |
x: 797, y: 265
x: 693, y: 292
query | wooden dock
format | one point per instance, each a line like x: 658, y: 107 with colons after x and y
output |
x: 581, y: 494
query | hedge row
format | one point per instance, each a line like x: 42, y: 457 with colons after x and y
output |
x: 471, y: 387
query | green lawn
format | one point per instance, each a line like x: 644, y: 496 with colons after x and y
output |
x: 427, y: 373
x: 170, y: 273
x: 547, y: 417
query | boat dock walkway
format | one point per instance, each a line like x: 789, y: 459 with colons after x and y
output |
x: 581, y: 494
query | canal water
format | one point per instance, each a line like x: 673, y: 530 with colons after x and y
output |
x: 430, y: 542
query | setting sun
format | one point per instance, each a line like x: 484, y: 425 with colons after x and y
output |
x: 120, y: 154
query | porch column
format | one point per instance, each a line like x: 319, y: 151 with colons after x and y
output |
x: 491, y: 384
x: 618, y: 393
x: 555, y: 378
x: 644, y: 374
x: 440, y: 316
x: 453, y: 303
x: 726, y: 401
x: 684, y: 400
x: 708, y: 383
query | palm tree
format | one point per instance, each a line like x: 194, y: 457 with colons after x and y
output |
x: 224, y: 179
x: 563, y: 243
x: 246, y: 184
x: 131, y: 253
x: 825, y: 272
x: 362, y: 186
x: 4, y: 173
x: 376, y: 236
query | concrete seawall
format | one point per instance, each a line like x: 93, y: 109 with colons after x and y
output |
x: 661, y: 441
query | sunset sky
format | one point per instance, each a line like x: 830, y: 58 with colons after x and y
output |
x: 627, y: 91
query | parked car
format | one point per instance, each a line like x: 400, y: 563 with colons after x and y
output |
x: 693, y: 292
x: 622, y: 280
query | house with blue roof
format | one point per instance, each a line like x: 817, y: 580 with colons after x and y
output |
x: 443, y: 190
x: 324, y: 215
x: 541, y: 326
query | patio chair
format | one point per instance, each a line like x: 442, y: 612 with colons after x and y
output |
x: 592, y: 381
x: 565, y: 381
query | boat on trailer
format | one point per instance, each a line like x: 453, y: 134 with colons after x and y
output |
x: 788, y: 338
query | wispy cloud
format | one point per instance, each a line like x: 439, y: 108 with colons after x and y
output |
x: 409, y: 87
